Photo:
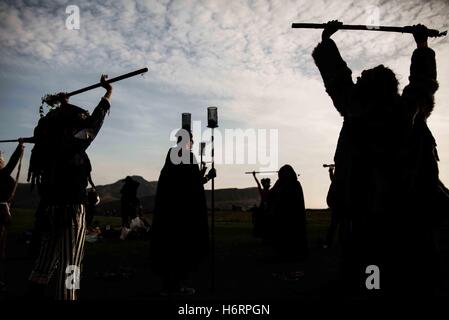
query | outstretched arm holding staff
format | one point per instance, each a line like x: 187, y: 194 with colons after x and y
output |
x: 54, y: 99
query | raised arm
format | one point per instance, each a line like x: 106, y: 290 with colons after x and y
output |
x: 97, y: 117
x: 334, y: 70
x: 419, y: 93
x: 95, y: 121
x: 259, y: 187
x: 12, y: 163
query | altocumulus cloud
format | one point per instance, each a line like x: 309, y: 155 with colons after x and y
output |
x: 240, y: 55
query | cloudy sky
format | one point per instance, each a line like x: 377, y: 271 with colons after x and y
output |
x: 241, y: 56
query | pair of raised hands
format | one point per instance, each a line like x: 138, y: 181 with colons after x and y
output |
x: 419, y: 31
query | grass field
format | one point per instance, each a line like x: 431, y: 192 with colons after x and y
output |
x: 244, y: 267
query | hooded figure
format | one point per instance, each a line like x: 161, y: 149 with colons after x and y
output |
x: 288, y: 216
x: 180, y: 237
x: 129, y: 202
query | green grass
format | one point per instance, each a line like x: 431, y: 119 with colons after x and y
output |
x: 231, y: 229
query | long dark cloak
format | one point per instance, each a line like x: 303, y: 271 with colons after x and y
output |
x: 180, y: 227
x: 288, y: 220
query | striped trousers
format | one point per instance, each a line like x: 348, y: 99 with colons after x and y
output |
x: 61, y: 249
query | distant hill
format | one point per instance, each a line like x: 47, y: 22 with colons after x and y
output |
x: 111, y: 192
x: 225, y: 199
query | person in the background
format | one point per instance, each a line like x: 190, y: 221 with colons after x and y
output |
x: 179, y: 237
x: 130, y: 204
x: 288, y: 216
x: 7, y: 186
x: 60, y: 168
x: 260, y: 213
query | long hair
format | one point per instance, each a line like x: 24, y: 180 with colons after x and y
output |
x: 377, y: 86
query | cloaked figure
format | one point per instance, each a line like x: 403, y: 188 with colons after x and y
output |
x: 384, y: 151
x: 260, y: 212
x: 180, y: 234
x: 287, y: 212
x: 129, y: 202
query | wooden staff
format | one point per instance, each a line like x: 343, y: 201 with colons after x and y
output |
x: 407, y: 29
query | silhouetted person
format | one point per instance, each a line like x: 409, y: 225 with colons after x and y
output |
x: 179, y: 238
x: 288, y: 216
x: 372, y: 182
x: 335, y: 219
x: 60, y: 168
x: 7, y: 186
x: 129, y: 202
x: 260, y: 213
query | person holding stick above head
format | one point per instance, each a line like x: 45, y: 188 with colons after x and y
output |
x: 60, y: 168
x: 7, y: 189
x: 263, y: 188
x: 374, y: 156
x: 261, y: 212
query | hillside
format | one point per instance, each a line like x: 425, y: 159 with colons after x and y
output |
x: 225, y: 199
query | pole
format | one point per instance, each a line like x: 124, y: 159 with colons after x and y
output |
x: 55, y: 99
x: 212, y: 122
x: 119, y: 78
x: 25, y: 140
x: 12, y: 140
x: 251, y: 172
x: 213, y: 219
x: 407, y: 29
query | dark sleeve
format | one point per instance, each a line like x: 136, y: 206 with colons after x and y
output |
x: 97, y: 117
x: 419, y: 93
x: 335, y: 73
x: 93, y: 124
x: 12, y: 163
